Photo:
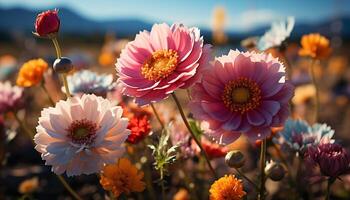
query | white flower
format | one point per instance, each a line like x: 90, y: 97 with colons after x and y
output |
x: 81, y: 134
x: 278, y: 33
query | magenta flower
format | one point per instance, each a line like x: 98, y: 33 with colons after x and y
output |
x: 332, y: 159
x: 158, y: 62
x: 11, y: 97
x: 242, y: 93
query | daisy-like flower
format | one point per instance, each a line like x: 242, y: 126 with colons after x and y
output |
x: 158, y: 62
x: 242, y: 93
x: 32, y: 72
x: 315, y: 46
x: 332, y: 159
x: 122, y: 177
x: 81, y: 134
x: 298, y: 135
x: 227, y: 188
x: 88, y: 82
x: 279, y: 32
x: 11, y: 97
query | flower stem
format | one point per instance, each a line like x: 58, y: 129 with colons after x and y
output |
x: 68, y: 187
x: 317, y: 97
x: 65, y: 83
x: 262, y: 169
x: 192, y: 133
x: 57, y: 47
x: 157, y: 116
x: 328, y: 192
x: 47, y: 93
x: 246, y: 178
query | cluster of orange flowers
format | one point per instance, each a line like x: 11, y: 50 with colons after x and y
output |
x: 31, y: 72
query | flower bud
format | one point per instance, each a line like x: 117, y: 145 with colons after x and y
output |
x: 47, y: 23
x: 274, y: 171
x: 62, y: 65
x: 235, y: 159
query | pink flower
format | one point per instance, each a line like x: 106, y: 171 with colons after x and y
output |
x: 242, y: 93
x: 81, y: 134
x: 11, y: 97
x: 158, y: 62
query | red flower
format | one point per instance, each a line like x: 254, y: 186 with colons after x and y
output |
x: 140, y: 128
x: 47, y: 23
x: 212, y: 149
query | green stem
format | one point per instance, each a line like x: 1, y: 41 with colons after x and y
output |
x: 246, y: 178
x: 262, y: 170
x: 314, y: 82
x: 57, y: 47
x: 193, y: 135
x: 47, y: 93
x: 157, y: 115
x: 328, y: 192
x: 67, y: 186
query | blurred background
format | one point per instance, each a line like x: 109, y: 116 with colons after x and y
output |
x: 93, y: 33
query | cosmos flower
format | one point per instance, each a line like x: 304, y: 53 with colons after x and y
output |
x: 31, y: 72
x: 278, y: 33
x: 11, y: 97
x: 88, y: 82
x: 315, y: 46
x: 227, y: 188
x: 81, y: 134
x: 47, y: 23
x: 298, y: 135
x: 242, y: 93
x: 122, y: 177
x: 332, y: 159
x: 158, y: 62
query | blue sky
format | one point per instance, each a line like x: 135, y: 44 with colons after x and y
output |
x: 242, y: 15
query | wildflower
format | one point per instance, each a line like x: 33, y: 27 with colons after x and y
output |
x: 242, y: 92
x: 227, y: 188
x: 81, y: 134
x: 47, y: 23
x: 298, y: 135
x: 32, y: 72
x: 278, y: 33
x: 122, y: 177
x: 332, y: 159
x: 158, y: 62
x: 212, y: 149
x: 182, y: 194
x: 315, y: 46
x: 88, y: 82
x: 139, y: 127
x: 29, y: 186
x: 11, y: 97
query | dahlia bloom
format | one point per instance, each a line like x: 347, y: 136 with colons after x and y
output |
x: 88, y: 82
x: 139, y: 127
x: 157, y: 63
x: 11, y: 98
x: 32, y: 72
x: 278, y: 33
x: 122, y: 177
x: 227, y: 187
x: 298, y: 135
x: 315, y: 46
x: 242, y: 93
x: 332, y: 159
x: 81, y: 134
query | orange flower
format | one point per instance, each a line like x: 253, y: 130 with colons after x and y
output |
x: 315, y: 45
x: 182, y: 194
x: 29, y: 185
x: 227, y: 188
x: 31, y: 72
x: 122, y: 177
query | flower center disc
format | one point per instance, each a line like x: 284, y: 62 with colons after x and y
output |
x: 82, y: 131
x: 160, y: 65
x: 241, y: 95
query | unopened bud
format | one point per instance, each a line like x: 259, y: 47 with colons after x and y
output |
x: 235, y: 159
x: 275, y: 171
x: 62, y: 65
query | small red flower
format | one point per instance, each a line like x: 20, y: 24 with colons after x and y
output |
x: 47, y: 23
x: 212, y: 149
x: 140, y: 128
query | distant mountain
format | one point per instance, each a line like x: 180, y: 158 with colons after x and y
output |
x: 21, y: 20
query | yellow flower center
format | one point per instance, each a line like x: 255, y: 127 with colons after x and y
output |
x: 160, y: 65
x: 242, y: 95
